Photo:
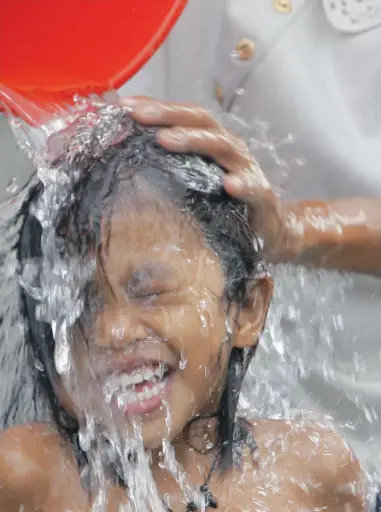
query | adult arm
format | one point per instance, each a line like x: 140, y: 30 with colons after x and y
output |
x: 343, y: 234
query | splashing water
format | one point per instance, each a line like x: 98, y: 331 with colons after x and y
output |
x: 58, y: 285
x: 270, y: 388
x: 13, y: 187
x: 175, y: 469
x: 309, y: 353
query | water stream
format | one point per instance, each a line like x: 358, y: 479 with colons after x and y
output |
x: 294, y: 345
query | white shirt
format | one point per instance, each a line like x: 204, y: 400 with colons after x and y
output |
x: 308, y: 100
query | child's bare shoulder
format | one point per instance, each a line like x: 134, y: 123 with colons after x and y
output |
x: 30, y: 456
x: 305, y: 441
x: 25, y: 451
x: 313, y: 454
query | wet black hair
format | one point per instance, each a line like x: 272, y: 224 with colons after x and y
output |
x: 196, y: 185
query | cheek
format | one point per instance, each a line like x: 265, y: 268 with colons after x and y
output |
x: 203, y: 338
x: 202, y: 326
x: 210, y: 317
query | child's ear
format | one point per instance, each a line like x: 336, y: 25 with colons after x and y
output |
x: 252, y: 317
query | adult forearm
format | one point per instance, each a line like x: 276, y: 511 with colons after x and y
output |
x: 341, y: 234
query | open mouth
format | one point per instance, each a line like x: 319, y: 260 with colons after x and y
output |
x: 140, y: 390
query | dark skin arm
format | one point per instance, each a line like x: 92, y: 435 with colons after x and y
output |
x: 351, y: 240
x: 343, y: 234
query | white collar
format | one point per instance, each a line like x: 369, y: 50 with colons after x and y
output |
x: 353, y: 16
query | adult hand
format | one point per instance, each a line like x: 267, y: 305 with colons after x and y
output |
x: 191, y: 129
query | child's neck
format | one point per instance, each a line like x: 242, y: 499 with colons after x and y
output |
x: 197, y: 442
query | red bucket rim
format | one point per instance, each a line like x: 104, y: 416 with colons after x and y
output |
x: 122, y: 53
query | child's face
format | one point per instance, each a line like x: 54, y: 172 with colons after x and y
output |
x: 158, y: 340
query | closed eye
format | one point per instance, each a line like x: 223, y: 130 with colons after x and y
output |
x: 145, y: 295
x: 150, y: 283
x: 150, y: 299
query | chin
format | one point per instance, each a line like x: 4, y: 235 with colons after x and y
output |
x: 169, y: 398
x: 154, y: 431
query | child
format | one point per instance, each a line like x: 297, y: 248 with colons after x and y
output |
x: 171, y: 317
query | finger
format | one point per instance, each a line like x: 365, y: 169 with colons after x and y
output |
x: 160, y: 113
x: 247, y: 184
x: 220, y: 145
x: 132, y: 101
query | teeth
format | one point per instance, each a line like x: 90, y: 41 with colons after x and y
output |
x: 137, y: 377
x: 130, y: 380
x: 145, y: 395
x: 159, y: 372
x: 123, y: 386
x: 126, y: 398
x: 148, y: 374
x: 130, y: 396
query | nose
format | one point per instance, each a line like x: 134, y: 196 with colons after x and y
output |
x: 118, y: 326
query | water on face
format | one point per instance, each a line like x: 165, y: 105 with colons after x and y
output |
x: 291, y: 349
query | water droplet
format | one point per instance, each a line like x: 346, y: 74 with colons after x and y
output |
x: 183, y: 362
x: 38, y: 365
x: 12, y: 187
x: 84, y: 439
x: 118, y: 332
x: 291, y: 137
x: 301, y: 162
